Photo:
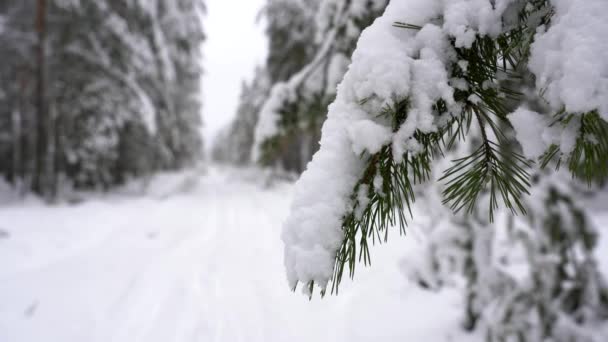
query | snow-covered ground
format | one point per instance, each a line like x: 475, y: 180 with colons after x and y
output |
x: 199, y: 258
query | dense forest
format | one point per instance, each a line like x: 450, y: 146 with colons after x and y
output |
x: 476, y: 128
x: 95, y: 92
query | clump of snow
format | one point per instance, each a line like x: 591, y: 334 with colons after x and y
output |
x: 536, y: 134
x: 529, y: 126
x: 362, y: 200
x: 464, y: 19
x: 369, y: 136
x: 378, y: 183
x: 312, y: 231
x: 570, y: 57
x: 569, y: 135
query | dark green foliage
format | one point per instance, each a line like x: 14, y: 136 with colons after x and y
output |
x: 589, y: 159
x: 487, y: 168
x: 300, y: 125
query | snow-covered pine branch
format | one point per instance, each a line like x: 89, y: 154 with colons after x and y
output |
x: 420, y: 76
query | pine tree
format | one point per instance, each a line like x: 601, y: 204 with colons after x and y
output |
x: 427, y: 79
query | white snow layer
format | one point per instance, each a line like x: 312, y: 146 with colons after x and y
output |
x: 368, y: 136
x: 529, y: 127
x: 536, y: 134
x: 570, y: 60
x: 199, y: 260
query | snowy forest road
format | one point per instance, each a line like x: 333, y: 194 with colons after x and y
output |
x: 198, y: 258
x: 202, y: 265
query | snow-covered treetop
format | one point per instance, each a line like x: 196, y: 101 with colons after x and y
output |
x: 421, y: 74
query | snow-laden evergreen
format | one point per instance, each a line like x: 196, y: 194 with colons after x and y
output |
x: 422, y: 70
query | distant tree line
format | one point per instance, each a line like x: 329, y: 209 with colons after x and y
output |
x: 95, y: 92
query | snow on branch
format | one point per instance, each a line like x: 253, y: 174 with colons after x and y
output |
x: 425, y: 70
x: 570, y: 57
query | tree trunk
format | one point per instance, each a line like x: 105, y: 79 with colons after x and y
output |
x: 16, y: 174
x: 29, y: 144
x: 42, y: 120
x: 52, y: 155
x: 27, y: 137
x: 59, y: 154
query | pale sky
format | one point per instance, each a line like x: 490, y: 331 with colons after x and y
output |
x: 235, y: 45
